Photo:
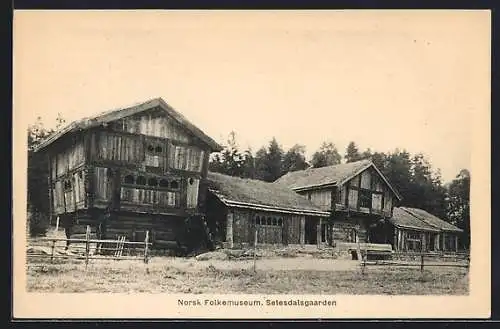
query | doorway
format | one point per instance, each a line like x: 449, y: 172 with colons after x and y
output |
x: 311, y: 230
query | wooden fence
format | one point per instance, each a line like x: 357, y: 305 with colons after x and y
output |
x: 118, y: 249
x: 418, y: 259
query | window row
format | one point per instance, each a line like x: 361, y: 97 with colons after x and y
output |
x: 270, y: 221
x: 151, y: 181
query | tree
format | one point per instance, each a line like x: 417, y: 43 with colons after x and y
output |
x: 458, y: 205
x: 397, y: 170
x: 352, y: 153
x: 38, y: 188
x: 366, y: 154
x: 261, y: 164
x: 229, y: 161
x: 327, y: 155
x: 379, y: 159
x: 248, y: 165
x: 295, y: 159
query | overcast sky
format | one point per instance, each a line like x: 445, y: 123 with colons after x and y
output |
x: 384, y: 80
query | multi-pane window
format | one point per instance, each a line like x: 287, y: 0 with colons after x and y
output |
x: 268, y: 221
x: 155, y: 155
x: 151, y: 190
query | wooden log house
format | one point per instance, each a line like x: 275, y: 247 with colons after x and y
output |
x: 237, y: 208
x: 357, y: 195
x: 418, y: 230
x: 127, y: 171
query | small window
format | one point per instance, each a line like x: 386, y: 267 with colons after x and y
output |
x: 269, y: 221
x: 174, y: 184
x: 141, y: 180
x: 191, y: 181
x: 158, y: 149
x: 67, y: 184
x: 275, y: 221
x: 151, y: 148
x: 129, y: 179
x: 365, y: 198
x: 153, y: 182
x: 257, y: 220
x: 163, y: 183
x: 280, y: 221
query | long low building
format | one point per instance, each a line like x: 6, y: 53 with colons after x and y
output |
x: 237, y: 208
x: 416, y: 230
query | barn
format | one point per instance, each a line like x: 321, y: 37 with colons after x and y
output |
x: 418, y: 230
x: 356, y: 194
x: 127, y: 171
x: 238, y: 209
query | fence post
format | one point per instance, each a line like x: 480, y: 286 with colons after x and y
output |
x: 53, y: 250
x: 255, y: 250
x: 146, y: 240
x: 87, y: 246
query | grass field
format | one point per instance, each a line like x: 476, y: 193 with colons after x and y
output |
x: 298, y: 275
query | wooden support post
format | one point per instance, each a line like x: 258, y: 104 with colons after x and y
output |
x: 146, y: 242
x: 395, y: 241
x: 57, y: 224
x: 87, y: 246
x: 302, y: 230
x: 422, y: 262
x: 319, y: 234
x: 456, y: 243
x: 255, y: 249
x: 424, y: 242
x: 229, y: 230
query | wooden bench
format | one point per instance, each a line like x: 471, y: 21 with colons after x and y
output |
x: 372, y: 251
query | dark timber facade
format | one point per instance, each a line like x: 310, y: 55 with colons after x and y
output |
x: 357, y: 196
x: 125, y: 172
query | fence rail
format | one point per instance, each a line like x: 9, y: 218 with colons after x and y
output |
x: 116, y: 246
x: 460, y: 259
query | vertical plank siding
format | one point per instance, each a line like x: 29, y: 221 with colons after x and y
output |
x: 192, y: 192
x: 322, y: 199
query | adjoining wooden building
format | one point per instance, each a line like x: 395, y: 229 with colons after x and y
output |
x: 418, y: 230
x: 357, y: 195
x: 238, y: 207
x: 128, y: 171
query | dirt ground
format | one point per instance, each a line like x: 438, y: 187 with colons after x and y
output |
x: 297, y: 275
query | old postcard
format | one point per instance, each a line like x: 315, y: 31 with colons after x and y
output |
x: 251, y: 164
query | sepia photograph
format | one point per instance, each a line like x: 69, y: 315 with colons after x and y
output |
x: 251, y: 164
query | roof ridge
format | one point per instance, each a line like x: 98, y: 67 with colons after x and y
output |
x: 138, y: 107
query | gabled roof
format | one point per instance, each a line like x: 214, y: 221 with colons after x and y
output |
x: 431, y: 220
x: 404, y: 219
x: 109, y: 116
x: 335, y: 175
x: 260, y: 195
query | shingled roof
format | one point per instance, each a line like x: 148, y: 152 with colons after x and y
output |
x: 432, y: 220
x: 404, y: 219
x: 256, y: 194
x: 328, y: 176
x: 112, y: 115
